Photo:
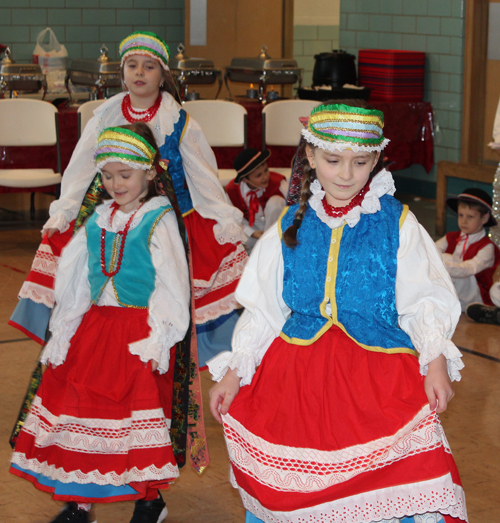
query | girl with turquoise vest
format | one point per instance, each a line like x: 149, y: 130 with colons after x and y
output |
x: 98, y: 429
x: 326, y: 412
x: 213, y: 225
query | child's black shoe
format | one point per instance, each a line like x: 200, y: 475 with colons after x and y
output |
x: 483, y: 313
x: 72, y: 514
x: 154, y: 511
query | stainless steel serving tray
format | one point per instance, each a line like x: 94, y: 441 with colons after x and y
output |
x: 195, y: 71
x: 20, y: 77
x: 95, y: 73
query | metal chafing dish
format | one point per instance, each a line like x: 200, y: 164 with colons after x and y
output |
x: 263, y: 70
x: 101, y: 74
x: 195, y: 71
x: 20, y: 77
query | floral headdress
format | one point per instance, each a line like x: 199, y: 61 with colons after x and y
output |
x: 145, y: 43
x: 116, y: 144
x: 338, y: 127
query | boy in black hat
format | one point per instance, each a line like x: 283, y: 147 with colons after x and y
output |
x: 259, y: 193
x: 469, y: 255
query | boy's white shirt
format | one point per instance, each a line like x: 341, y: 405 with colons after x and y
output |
x: 169, y: 303
x: 463, y: 272
x: 260, y: 219
x: 426, y: 300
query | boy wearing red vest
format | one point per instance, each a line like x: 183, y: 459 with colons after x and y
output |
x: 259, y: 193
x: 469, y: 255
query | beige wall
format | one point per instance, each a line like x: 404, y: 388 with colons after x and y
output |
x: 238, y: 28
x: 316, y: 12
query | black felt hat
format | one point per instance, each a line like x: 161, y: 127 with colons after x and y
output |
x: 248, y: 160
x: 473, y: 196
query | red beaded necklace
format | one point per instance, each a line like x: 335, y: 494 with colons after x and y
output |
x: 337, y: 212
x: 123, y: 234
x: 142, y: 116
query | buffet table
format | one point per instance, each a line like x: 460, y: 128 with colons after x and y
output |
x: 407, y: 124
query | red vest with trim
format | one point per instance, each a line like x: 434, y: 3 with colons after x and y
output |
x: 484, y: 278
x: 273, y: 189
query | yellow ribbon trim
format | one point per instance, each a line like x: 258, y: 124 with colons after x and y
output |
x: 329, y: 296
x: 327, y: 116
x: 185, y: 127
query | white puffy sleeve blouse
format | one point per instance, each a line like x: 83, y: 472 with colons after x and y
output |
x: 426, y: 301
x: 198, y: 160
x: 169, y: 303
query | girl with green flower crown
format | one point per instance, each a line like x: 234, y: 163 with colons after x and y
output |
x: 213, y: 225
x: 99, y: 427
x: 342, y: 359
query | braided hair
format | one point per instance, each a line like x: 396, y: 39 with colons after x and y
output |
x: 290, y: 235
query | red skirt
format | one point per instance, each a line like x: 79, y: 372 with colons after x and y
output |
x: 333, y: 432
x: 100, y: 421
x: 216, y: 269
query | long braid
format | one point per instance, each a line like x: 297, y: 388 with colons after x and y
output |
x: 290, y: 235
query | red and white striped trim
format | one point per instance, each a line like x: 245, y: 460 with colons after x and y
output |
x: 424, y: 499
x: 307, y: 470
x: 133, y: 475
x: 144, y: 430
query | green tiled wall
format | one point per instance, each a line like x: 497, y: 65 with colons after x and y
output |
x: 435, y: 27
x: 309, y: 40
x: 84, y: 25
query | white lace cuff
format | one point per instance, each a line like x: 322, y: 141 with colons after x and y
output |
x: 433, y: 348
x: 59, y: 221
x: 156, y: 347
x: 229, y: 233
x: 57, y: 347
x: 241, y: 360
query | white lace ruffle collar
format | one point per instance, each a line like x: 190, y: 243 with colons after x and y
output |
x: 382, y: 183
x: 120, y: 218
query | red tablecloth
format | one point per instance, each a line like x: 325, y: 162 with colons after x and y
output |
x: 407, y: 124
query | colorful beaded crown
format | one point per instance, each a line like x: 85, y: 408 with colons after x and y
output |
x: 339, y: 127
x: 145, y: 43
x: 116, y: 144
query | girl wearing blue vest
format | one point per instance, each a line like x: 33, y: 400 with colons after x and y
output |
x: 326, y: 414
x: 98, y: 429
x: 213, y: 224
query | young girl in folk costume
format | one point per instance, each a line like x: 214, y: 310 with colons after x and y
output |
x: 336, y: 424
x: 213, y: 225
x: 98, y: 430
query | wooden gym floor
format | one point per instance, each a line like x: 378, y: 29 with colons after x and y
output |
x: 472, y: 422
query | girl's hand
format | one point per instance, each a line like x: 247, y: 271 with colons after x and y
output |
x: 48, y: 232
x: 223, y: 394
x: 437, y: 385
x: 257, y: 234
x: 154, y: 365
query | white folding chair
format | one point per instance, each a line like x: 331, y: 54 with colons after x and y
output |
x: 85, y: 113
x: 280, y: 121
x: 223, y: 123
x: 25, y: 122
x: 281, y: 125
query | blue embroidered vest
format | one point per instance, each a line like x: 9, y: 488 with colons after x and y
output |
x: 170, y: 151
x: 353, y: 269
x: 134, y: 283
